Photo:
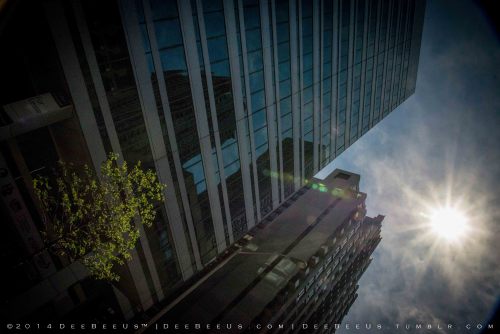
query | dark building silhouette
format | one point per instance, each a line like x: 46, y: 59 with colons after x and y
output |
x: 234, y: 104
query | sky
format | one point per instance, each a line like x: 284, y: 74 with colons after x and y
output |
x: 439, y: 148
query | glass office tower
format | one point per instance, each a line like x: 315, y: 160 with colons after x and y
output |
x: 235, y: 104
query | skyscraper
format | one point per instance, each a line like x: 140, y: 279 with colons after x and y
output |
x: 235, y: 104
x: 298, y: 270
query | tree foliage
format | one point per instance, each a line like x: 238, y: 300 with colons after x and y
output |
x: 96, y: 219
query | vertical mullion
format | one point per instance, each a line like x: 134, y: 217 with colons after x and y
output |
x: 363, y: 69
x: 295, y: 98
x: 234, y: 63
x: 278, y: 99
x: 198, y: 98
x: 152, y: 123
x: 394, y: 58
x: 270, y: 102
x: 386, y: 47
x: 350, y: 70
x: 248, y: 115
x: 160, y: 74
x: 334, y: 100
x: 321, y: 75
x: 378, y: 17
x: 76, y: 82
x: 316, y: 84
x: 301, y: 84
x: 405, y: 41
x: 213, y: 114
x: 96, y: 77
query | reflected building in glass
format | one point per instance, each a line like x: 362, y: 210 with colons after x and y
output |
x: 235, y: 104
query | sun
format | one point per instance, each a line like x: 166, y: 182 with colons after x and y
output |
x: 449, y: 223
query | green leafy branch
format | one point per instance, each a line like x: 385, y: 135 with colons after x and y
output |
x: 94, y: 219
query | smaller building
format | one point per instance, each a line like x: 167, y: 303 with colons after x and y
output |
x: 298, y: 267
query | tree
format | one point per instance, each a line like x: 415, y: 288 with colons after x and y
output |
x: 96, y: 219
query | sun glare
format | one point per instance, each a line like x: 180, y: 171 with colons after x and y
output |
x: 449, y: 223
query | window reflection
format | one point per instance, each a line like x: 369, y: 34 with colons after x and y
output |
x: 168, y: 33
x: 224, y: 108
x: 172, y: 59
